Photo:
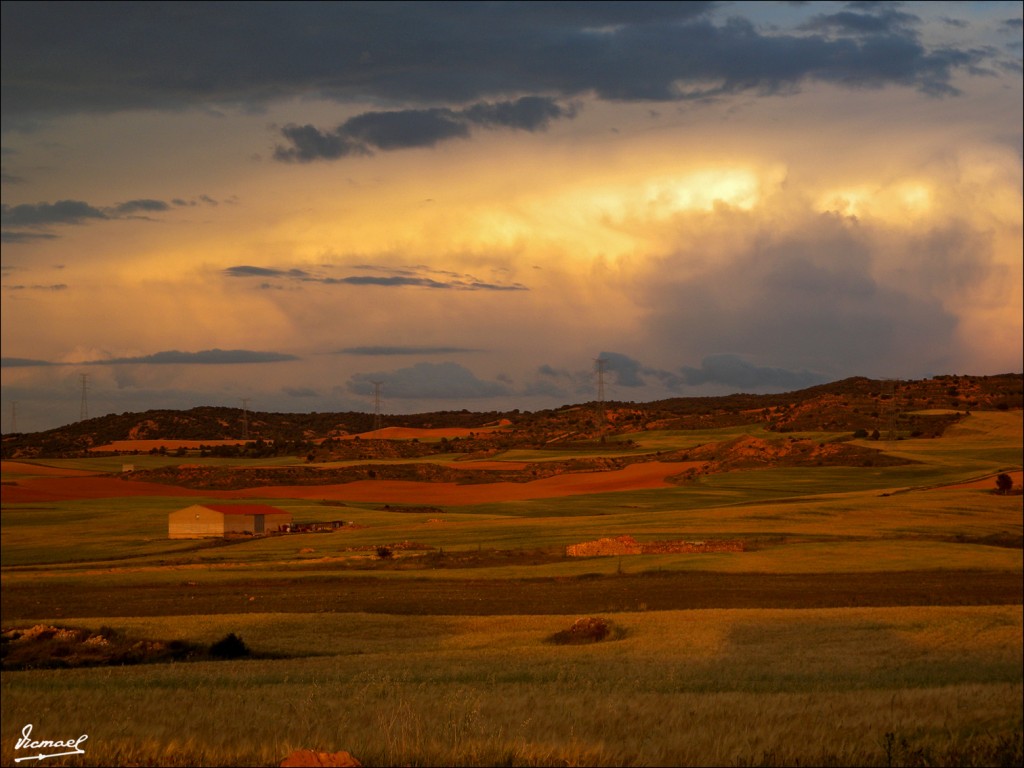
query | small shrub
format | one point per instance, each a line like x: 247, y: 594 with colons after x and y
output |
x: 231, y: 646
x: 588, y: 630
x: 384, y: 553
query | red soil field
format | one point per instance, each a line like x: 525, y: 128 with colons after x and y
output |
x: 97, y: 487
x: 49, y: 484
x: 387, y: 433
x: 495, y: 464
x: 408, y: 433
x: 634, y: 477
x: 21, y: 468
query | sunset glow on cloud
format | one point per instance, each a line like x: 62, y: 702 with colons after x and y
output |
x: 472, y: 202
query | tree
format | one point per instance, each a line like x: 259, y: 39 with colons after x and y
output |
x: 1004, y: 483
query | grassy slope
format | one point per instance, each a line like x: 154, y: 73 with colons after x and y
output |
x: 681, y: 687
x: 708, y: 688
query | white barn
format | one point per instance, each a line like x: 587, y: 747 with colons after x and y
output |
x: 216, y: 520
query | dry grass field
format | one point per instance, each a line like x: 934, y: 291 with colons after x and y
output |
x: 873, y: 618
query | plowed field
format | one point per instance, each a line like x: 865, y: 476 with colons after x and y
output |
x: 483, y: 597
x: 634, y: 477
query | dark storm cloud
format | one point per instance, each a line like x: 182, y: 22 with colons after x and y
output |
x: 530, y: 113
x: 308, y: 143
x: 561, y: 382
x: 392, y: 281
x: 628, y: 372
x: 38, y: 216
x: 51, y: 287
x: 408, y: 128
x: 416, y: 277
x: 45, y: 214
x: 445, y: 381
x: 811, y: 299
x: 250, y: 271
x: 171, y: 357
x: 16, y: 238
x: 619, y: 370
x: 422, y: 276
x: 204, y: 357
x: 879, y: 21
x: 735, y: 372
x: 105, y: 57
x: 23, y: 362
x: 141, y: 206
x: 728, y: 371
x: 386, y: 351
x: 546, y: 387
x: 181, y: 203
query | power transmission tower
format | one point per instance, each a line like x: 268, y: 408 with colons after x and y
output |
x: 84, y: 411
x: 376, y: 405
x: 599, y: 366
x: 245, y: 418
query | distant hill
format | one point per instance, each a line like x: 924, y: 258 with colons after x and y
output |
x: 914, y: 407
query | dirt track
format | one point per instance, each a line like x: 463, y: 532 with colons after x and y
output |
x: 553, y: 596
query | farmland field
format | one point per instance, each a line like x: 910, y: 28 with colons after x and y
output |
x: 872, y: 617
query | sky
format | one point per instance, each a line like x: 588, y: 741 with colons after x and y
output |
x: 294, y: 206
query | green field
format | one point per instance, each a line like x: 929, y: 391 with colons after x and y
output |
x: 873, y: 619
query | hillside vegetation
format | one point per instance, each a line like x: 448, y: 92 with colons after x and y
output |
x: 913, y: 408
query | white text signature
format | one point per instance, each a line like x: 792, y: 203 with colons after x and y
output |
x: 73, y: 746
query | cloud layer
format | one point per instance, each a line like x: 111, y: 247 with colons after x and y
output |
x: 459, y: 54
x: 170, y: 357
x: 410, y: 128
x: 478, y: 201
x: 420, y: 276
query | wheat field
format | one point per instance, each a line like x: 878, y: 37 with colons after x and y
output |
x: 914, y: 685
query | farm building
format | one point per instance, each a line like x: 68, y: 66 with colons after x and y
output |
x: 211, y: 520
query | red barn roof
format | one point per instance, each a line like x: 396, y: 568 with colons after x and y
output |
x: 245, y: 509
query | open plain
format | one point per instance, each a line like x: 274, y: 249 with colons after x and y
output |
x: 872, y: 615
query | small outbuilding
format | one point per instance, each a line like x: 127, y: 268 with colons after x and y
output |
x: 216, y: 520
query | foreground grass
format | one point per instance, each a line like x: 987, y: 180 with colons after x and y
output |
x: 841, y: 686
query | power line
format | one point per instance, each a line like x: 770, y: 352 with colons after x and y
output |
x: 376, y: 404
x: 245, y: 418
x: 84, y: 411
x: 599, y: 366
